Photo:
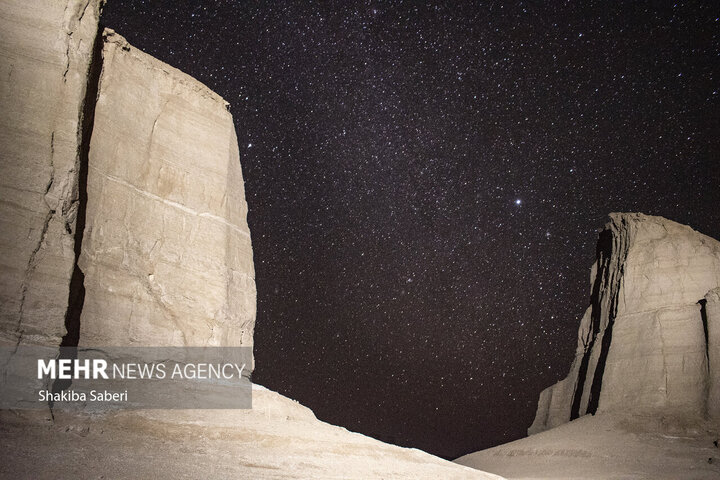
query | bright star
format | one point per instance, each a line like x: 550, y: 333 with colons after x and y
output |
x: 518, y: 201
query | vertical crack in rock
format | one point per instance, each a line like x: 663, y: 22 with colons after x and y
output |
x: 596, y: 386
x: 76, y: 295
x: 613, y: 282
x: 84, y: 9
x: 24, y: 288
x: 70, y: 35
x: 29, y: 269
x: 708, y: 387
x: 612, y: 249
x: 704, y: 319
x: 52, y: 164
x: 710, y: 317
x: 68, y: 43
x: 33, y: 255
x: 77, y: 289
x: 603, y: 255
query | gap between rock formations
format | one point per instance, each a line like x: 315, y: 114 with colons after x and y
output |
x: 76, y: 293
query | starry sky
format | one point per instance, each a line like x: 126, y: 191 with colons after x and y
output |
x: 426, y: 181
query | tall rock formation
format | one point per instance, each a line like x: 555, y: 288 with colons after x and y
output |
x: 644, y: 342
x: 123, y: 220
x: 166, y: 252
x: 647, y: 367
x: 46, y: 50
x: 123, y: 223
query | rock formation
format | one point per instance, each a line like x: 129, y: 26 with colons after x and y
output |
x: 159, y: 246
x: 166, y: 252
x: 123, y: 224
x: 643, y: 343
x: 646, y: 366
x: 45, y: 56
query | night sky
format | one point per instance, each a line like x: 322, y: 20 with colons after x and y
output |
x: 426, y: 181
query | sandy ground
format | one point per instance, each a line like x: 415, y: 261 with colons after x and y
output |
x: 608, y: 447
x: 277, y: 439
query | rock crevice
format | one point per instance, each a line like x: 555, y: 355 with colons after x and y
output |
x: 135, y: 231
x: 644, y: 344
x: 42, y: 90
x: 76, y: 294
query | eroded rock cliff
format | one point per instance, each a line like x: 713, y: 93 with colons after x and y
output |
x: 46, y: 50
x: 647, y: 367
x: 645, y: 342
x: 166, y: 252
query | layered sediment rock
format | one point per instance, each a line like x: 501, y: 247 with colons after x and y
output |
x: 45, y: 55
x: 166, y: 252
x: 645, y: 340
x: 711, y: 312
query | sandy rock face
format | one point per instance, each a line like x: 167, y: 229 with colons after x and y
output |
x: 712, y: 317
x: 166, y: 251
x: 45, y: 55
x: 644, y: 343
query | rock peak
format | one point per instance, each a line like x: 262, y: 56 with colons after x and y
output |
x: 636, y: 218
x: 113, y: 39
x: 644, y: 343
